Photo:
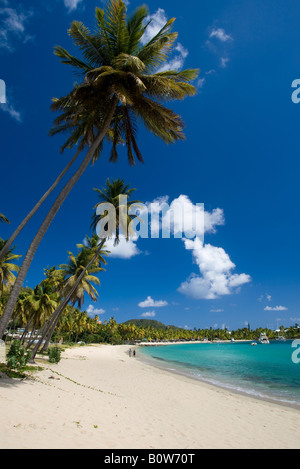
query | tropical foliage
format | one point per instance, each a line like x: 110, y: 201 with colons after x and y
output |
x: 121, y: 85
x: 8, y: 268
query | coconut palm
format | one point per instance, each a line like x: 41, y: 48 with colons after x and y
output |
x: 121, y: 85
x: 72, y: 271
x: 37, y: 305
x: 92, y: 249
x: 7, y: 268
x: 78, y: 280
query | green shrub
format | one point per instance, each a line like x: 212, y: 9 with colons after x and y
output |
x: 54, y: 354
x: 17, y: 357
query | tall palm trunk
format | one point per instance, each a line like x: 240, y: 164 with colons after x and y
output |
x: 22, y: 225
x: 48, y: 332
x: 7, y: 314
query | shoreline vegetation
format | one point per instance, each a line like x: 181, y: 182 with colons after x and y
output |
x: 76, y: 326
x: 95, y: 398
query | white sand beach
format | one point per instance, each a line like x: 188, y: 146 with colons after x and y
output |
x: 98, y: 397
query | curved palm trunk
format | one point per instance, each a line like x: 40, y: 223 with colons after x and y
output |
x: 22, y: 225
x: 26, y: 329
x: 58, y: 312
x: 7, y: 314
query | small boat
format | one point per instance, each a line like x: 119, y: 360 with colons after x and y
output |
x: 263, y: 339
x: 253, y: 343
x: 232, y: 339
x: 280, y: 338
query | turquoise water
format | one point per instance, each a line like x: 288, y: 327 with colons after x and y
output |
x: 265, y: 371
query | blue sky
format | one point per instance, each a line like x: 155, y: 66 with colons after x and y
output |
x: 240, y: 158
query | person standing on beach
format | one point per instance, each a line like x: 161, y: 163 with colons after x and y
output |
x: 134, y: 353
x: 130, y: 352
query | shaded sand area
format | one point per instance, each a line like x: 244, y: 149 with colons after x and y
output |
x: 98, y: 397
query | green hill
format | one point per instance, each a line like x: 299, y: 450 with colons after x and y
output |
x: 149, y: 323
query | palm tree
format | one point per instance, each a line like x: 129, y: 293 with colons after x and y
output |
x: 72, y: 271
x: 116, y: 194
x: 36, y: 305
x: 3, y: 218
x: 120, y: 86
x: 7, y: 267
x: 92, y: 249
x: 78, y: 281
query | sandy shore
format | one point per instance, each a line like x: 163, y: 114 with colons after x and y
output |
x: 98, y: 397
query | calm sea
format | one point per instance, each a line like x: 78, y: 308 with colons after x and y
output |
x: 265, y: 371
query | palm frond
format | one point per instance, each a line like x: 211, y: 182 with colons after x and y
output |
x: 136, y: 28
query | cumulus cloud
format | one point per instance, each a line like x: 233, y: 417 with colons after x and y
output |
x: 123, y: 250
x: 150, y: 303
x: 216, y: 277
x: 92, y: 311
x: 224, y: 61
x: 148, y: 314
x: 265, y: 297
x: 176, y: 62
x: 219, y: 42
x: 9, y: 108
x: 157, y: 22
x: 72, y: 5
x: 220, y: 33
x: 12, y: 26
x: 275, y: 308
x: 183, y: 218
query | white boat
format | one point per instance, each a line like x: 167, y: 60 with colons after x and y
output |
x: 254, y: 343
x: 263, y: 339
x: 280, y: 338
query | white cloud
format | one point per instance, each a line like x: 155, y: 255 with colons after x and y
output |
x: 201, y: 82
x: 123, y: 250
x: 219, y: 43
x: 265, y: 297
x: 224, y: 62
x: 183, y: 217
x: 92, y: 311
x: 182, y: 50
x: 150, y: 303
x: 12, y: 26
x: 216, y: 277
x: 72, y: 5
x: 158, y: 21
x: 149, y: 314
x: 216, y: 310
x: 275, y: 308
x: 9, y: 108
x: 177, y: 62
x: 220, y: 34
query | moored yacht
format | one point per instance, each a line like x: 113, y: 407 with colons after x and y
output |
x: 263, y: 339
